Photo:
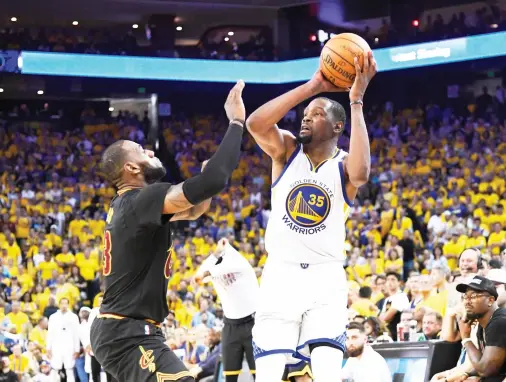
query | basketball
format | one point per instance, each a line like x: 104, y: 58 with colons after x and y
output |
x: 336, y: 59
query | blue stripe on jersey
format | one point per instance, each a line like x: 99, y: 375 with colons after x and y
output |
x: 343, y: 184
x: 290, y: 160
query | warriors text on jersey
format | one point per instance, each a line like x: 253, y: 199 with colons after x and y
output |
x: 137, y: 254
x: 309, y: 211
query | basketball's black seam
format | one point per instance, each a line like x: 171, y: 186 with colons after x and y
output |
x: 344, y: 59
x: 324, y: 64
x: 344, y: 38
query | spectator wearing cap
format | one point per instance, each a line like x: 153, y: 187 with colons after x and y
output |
x: 44, y: 374
x: 489, y: 357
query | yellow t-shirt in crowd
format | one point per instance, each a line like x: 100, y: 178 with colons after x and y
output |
x: 18, y: 319
x: 46, y: 269
x: 88, y: 268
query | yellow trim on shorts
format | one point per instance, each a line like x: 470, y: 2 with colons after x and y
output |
x: 163, y: 377
x: 109, y: 315
x: 252, y: 372
x: 118, y: 317
x: 235, y: 372
x: 306, y: 370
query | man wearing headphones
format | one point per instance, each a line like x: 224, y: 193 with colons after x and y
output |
x: 470, y: 263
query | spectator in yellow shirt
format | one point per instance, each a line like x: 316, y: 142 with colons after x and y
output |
x: 19, y: 363
x: 13, y: 250
x: 476, y: 240
x: 38, y: 334
x: 46, y: 268
x: 364, y: 306
x: 393, y: 261
x: 88, y: 266
x: 497, y: 239
x: 18, y: 318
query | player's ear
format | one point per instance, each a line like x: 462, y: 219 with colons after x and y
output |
x: 339, y: 127
x: 132, y: 168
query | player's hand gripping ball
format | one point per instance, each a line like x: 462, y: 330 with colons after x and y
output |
x: 337, y: 58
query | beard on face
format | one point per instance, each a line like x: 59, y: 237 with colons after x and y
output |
x: 153, y: 174
x: 304, y: 140
x: 473, y: 315
x: 355, y: 352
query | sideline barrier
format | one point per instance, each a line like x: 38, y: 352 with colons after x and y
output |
x: 181, y: 69
x: 407, y: 361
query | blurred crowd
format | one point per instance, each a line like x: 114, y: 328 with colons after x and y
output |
x: 437, y: 187
x: 78, y: 40
x: 258, y: 47
x: 484, y: 20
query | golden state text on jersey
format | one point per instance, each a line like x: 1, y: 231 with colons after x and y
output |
x: 308, y: 206
x: 309, y: 210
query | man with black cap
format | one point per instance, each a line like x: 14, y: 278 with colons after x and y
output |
x: 489, y: 358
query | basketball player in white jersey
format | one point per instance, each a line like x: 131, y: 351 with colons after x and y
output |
x: 237, y: 287
x: 303, y: 291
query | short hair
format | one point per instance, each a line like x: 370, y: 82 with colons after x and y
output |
x: 395, y: 274
x: 365, y: 292
x: 380, y: 277
x: 336, y: 110
x: 112, y: 161
x: 356, y: 325
x: 495, y: 264
x: 437, y: 315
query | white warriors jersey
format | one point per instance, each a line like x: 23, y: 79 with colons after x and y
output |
x: 309, y: 211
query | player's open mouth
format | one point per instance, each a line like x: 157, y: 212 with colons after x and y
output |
x: 304, y: 128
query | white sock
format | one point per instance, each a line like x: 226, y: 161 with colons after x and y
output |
x: 70, y: 375
x: 270, y: 368
x: 326, y: 364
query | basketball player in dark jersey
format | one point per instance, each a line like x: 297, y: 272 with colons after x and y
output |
x: 126, y: 337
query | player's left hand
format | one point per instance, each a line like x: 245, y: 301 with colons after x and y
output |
x: 320, y: 84
x: 363, y: 77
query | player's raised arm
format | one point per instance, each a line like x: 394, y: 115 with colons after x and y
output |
x: 357, y: 164
x: 214, y: 177
x: 197, y: 211
x: 275, y: 142
x: 127, y: 165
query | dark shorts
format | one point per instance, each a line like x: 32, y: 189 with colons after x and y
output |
x: 135, y: 350
x: 297, y: 370
x: 237, y: 342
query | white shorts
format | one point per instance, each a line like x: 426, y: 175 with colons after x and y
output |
x: 300, y: 305
x: 63, y: 359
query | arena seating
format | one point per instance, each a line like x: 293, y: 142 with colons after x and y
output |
x: 78, y: 40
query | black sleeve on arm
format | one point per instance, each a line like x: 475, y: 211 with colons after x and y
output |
x: 216, y: 174
x: 148, y: 204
